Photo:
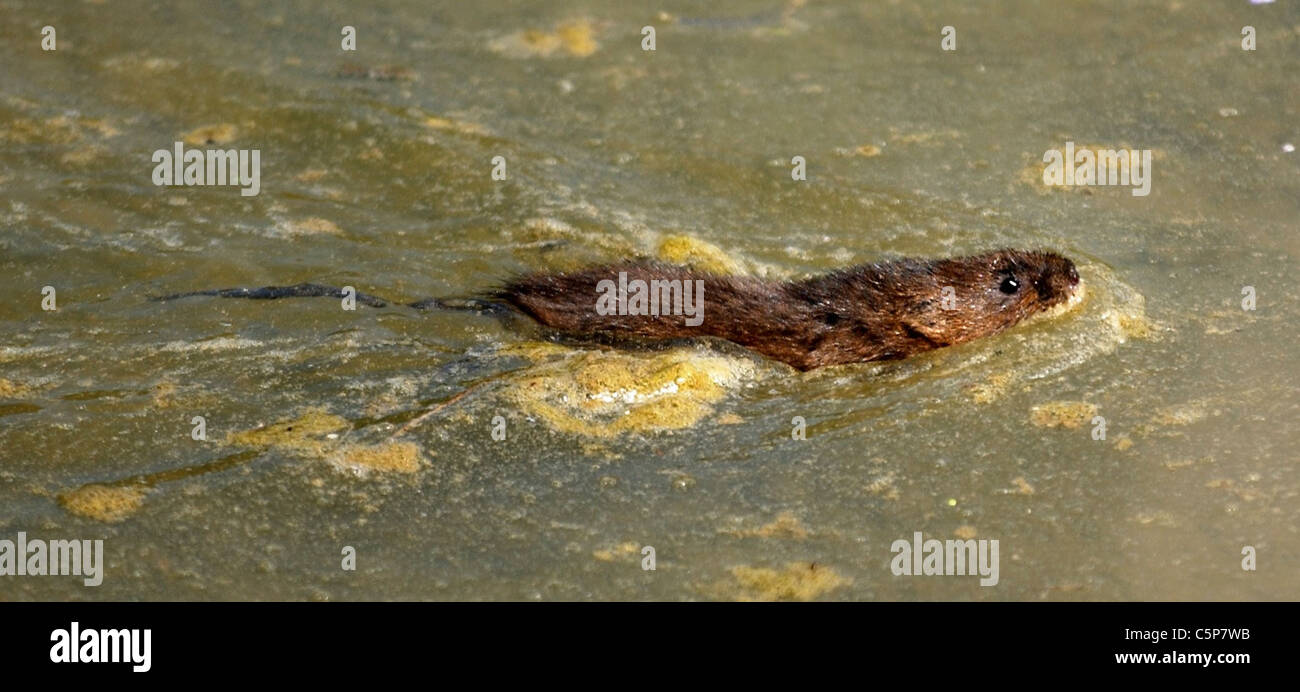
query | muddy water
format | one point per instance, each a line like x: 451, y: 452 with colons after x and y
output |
x: 376, y: 172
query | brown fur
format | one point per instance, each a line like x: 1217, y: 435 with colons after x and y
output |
x: 869, y: 312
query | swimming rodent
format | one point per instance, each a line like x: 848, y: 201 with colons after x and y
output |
x: 880, y: 311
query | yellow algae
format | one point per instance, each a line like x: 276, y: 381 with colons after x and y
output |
x: 965, y: 532
x: 666, y: 414
x: 399, y: 457
x: 594, y: 450
x: 462, y: 127
x: 799, y: 581
x: 103, y: 502
x: 683, y: 249
x: 573, y: 38
x: 20, y: 131
x: 302, y: 433
x: 536, y: 351
x: 785, y: 525
x: 65, y: 126
x: 1246, y: 494
x: 729, y: 419
x: 311, y: 175
x: 576, y: 37
x: 1068, y: 587
x: 623, y: 550
x: 1123, y: 443
x: 549, y: 232
x: 1221, y: 322
x: 1181, y: 414
x: 884, y: 487
x: 1130, y: 326
x: 210, y: 134
x: 13, y: 390
x: 867, y: 150
x: 164, y: 394
x: 1022, y: 486
x: 57, y: 130
x: 538, y: 42
x: 1062, y: 414
x: 991, y: 389
x: 925, y: 137
x: 136, y: 63
x: 81, y: 156
x: 101, y: 126
x: 607, y: 393
x: 310, y: 226
x: 1032, y: 174
x: 1186, y: 463
x: 1159, y: 518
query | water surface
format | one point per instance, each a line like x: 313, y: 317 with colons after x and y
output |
x: 376, y: 173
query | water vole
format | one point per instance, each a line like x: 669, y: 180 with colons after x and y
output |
x: 869, y: 312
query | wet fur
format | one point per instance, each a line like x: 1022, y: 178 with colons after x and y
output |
x: 878, y: 311
x: 870, y: 312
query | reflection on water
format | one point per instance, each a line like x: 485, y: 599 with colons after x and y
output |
x: 551, y: 468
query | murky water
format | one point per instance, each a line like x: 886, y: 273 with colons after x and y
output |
x: 376, y: 172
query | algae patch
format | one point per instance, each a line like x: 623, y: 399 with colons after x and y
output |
x: 457, y: 126
x: 1181, y: 414
x: 1062, y: 414
x: 309, y: 226
x: 1022, y: 486
x: 607, y: 393
x: 1032, y: 173
x: 799, y: 581
x: 991, y: 389
x: 210, y: 134
x: 683, y: 249
x: 107, y: 503
x: 393, y: 457
x: 313, y: 434
x: 13, y: 390
x: 785, y: 525
x: 627, y: 550
x: 300, y: 434
x: 574, y: 39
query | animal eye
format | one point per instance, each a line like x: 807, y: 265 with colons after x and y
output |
x: 1009, y: 285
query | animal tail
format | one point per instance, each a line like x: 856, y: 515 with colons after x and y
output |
x: 309, y: 290
x: 273, y: 292
x: 480, y: 305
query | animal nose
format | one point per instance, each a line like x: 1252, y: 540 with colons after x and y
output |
x: 1073, y: 275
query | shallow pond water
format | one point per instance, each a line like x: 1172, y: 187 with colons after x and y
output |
x: 376, y: 172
